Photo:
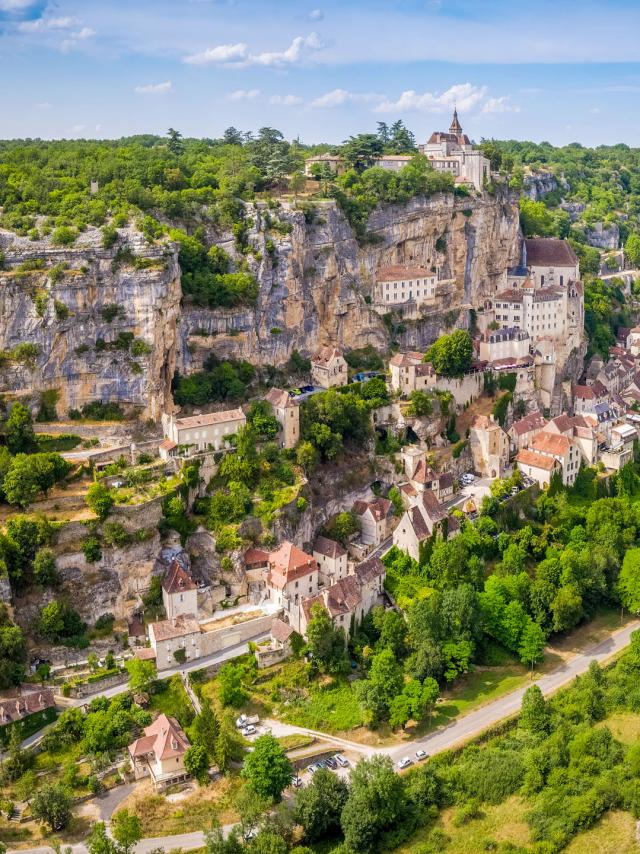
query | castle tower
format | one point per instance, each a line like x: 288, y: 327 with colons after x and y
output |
x: 455, y: 124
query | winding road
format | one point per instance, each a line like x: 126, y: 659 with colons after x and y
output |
x: 445, y: 738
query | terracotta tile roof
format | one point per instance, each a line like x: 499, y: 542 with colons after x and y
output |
x: 398, y: 272
x: 164, y: 738
x: 406, y: 360
x: 281, y: 631
x: 256, y: 557
x: 599, y: 389
x: 379, y: 507
x: 280, y: 399
x: 329, y: 548
x: 509, y: 295
x: 176, y: 580
x: 341, y: 598
x: 584, y: 392
x: 288, y: 563
x: 423, y: 474
x: 20, y: 704
x: 418, y: 523
x: 430, y: 505
x: 146, y: 653
x: 532, y: 421
x: 211, y: 418
x: 135, y: 627
x: 551, y: 443
x: 326, y: 355
x: 183, y: 624
x: 539, y: 461
x: 563, y: 423
x: 168, y: 445
x: 408, y: 489
x: 549, y: 252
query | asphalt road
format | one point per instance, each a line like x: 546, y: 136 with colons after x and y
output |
x: 457, y: 732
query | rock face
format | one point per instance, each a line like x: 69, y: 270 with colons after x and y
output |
x: 538, y: 184
x: 318, y: 287
x: 65, y: 314
x: 603, y: 236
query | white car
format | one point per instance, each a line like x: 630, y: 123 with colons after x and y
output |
x: 342, y: 761
x: 249, y: 730
x: 421, y: 754
x: 404, y: 762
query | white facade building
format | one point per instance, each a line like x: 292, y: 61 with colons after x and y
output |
x: 453, y: 152
x: 204, y: 431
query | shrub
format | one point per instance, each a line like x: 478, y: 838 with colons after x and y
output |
x: 61, y: 310
x: 64, y: 236
x: 91, y: 549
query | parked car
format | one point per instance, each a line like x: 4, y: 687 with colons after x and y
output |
x: 306, y: 389
x: 331, y: 763
x: 421, y: 754
x: 342, y: 761
x: 294, y: 392
x: 245, y: 720
x: 312, y: 769
x: 296, y: 781
x: 404, y: 762
x: 249, y: 730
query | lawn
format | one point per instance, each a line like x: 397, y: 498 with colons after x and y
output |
x: 196, y: 811
x: 624, y: 726
x: 171, y: 699
x: 614, y: 834
x: 296, y: 741
x: 503, y: 823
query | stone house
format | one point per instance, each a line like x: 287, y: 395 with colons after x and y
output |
x: 620, y: 449
x: 561, y: 448
x: 489, y: 446
x: 551, y: 262
x: 292, y: 576
x: 537, y: 466
x: 523, y: 431
x: 399, y: 284
x: 331, y: 558
x: 204, y: 432
x: 351, y: 598
x: 169, y: 636
x: 375, y: 518
x: 287, y: 412
x: 583, y: 430
x: 24, y: 702
x: 279, y: 647
x: 160, y: 752
x: 420, y: 521
x: 409, y: 373
x: 329, y: 368
x: 179, y: 593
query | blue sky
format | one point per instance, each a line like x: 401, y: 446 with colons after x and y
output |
x: 562, y: 71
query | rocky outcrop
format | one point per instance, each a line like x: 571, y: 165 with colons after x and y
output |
x: 539, y: 184
x: 603, y: 236
x: 316, y: 287
x: 73, y: 306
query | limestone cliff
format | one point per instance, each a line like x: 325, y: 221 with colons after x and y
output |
x: 317, y: 285
x: 67, y: 302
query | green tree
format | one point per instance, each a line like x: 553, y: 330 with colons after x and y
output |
x: 534, y: 714
x: 100, y: 499
x: 628, y: 585
x: 206, y: 728
x: 375, y: 804
x: 326, y: 643
x: 307, y: 457
x: 142, y: 675
x: 318, y: 805
x: 231, y: 685
x: 19, y: 429
x: 377, y: 692
x: 632, y: 249
x: 126, y: 829
x: 532, y: 643
x: 451, y: 355
x: 360, y: 152
x: 175, y: 143
x: 44, y: 567
x: 343, y: 526
x: 13, y: 651
x: 52, y: 806
x: 196, y: 761
x: 267, y: 767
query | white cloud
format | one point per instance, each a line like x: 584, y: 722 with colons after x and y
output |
x: 244, y: 95
x: 499, y: 105
x: 464, y: 95
x: 15, y: 5
x: 41, y: 25
x: 340, y: 97
x: 76, y: 129
x: 73, y: 39
x: 316, y: 15
x: 222, y: 54
x: 154, y: 88
x: 43, y: 105
x: 285, y: 100
x: 238, y: 55
x: 84, y: 33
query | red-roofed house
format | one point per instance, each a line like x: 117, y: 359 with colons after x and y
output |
x: 524, y: 430
x: 179, y: 593
x: 561, y: 448
x: 203, y: 431
x: 159, y: 753
x: 537, y: 466
x: 293, y: 576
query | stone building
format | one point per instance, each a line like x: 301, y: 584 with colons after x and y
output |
x: 420, y: 521
x: 287, y: 412
x: 551, y: 262
x: 292, y: 577
x: 204, y: 432
x: 374, y: 518
x: 489, y: 447
x: 167, y: 637
x: 179, y: 593
x: 399, y: 283
x: 329, y: 368
x: 453, y: 152
x: 332, y: 560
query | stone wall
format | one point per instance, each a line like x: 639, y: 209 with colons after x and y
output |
x: 216, y: 641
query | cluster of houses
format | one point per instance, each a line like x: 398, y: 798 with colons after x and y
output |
x: 448, y: 151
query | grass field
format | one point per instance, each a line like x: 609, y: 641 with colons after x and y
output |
x: 171, y: 699
x: 614, y: 834
x: 624, y: 726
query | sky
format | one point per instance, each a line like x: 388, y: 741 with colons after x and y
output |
x: 557, y: 70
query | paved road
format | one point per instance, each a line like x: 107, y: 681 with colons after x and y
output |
x: 459, y: 731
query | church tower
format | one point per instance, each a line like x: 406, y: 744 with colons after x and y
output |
x: 455, y: 124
